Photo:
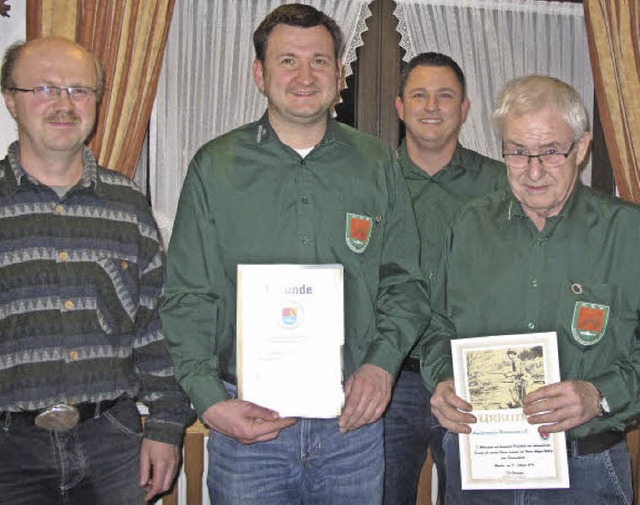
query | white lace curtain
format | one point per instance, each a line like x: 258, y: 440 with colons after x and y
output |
x: 206, y: 87
x: 495, y: 41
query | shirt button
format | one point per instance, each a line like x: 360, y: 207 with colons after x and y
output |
x: 58, y: 209
x: 305, y: 200
x: 73, y: 356
x: 534, y: 283
x: 69, y: 305
x: 531, y: 326
x: 63, y: 256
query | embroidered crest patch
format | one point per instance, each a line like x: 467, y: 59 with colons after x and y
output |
x: 589, y: 322
x: 358, y: 232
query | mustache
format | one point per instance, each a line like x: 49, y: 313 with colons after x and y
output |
x: 62, y: 117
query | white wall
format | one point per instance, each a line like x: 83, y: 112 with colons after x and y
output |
x: 12, y: 29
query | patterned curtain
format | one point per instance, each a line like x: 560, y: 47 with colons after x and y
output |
x: 613, y: 28
x: 129, y: 38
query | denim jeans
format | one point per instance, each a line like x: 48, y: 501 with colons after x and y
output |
x: 96, y: 462
x: 409, y: 429
x: 310, y: 462
x: 596, y: 479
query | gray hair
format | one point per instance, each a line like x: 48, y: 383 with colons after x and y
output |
x: 536, y: 92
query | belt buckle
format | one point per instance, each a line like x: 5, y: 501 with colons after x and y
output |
x: 58, y: 417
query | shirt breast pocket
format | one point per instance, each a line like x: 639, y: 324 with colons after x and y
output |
x: 117, y: 294
x: 598, y: 315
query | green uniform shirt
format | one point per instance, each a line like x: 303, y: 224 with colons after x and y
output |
x: 499, y: 275
x: 248, y: 198
x: 437, y: 198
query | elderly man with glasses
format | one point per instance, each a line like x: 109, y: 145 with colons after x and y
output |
x: 81, y: 272
x: 550, y: 254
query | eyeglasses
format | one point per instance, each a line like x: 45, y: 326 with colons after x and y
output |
x: 48, y: 93
x: 549, y: 159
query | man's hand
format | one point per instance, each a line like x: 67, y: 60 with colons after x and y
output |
x: 562, y: 406
x: 158, y: 466
x: 246, y: 422
x: 451, y: 411
x: 367, y: 393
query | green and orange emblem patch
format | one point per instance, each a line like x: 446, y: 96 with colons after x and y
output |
x: 358, y: 232
x: 589, y: 322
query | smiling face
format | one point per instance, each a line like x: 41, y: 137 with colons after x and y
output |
x: 299, y: 76
x: 49, y: 128
x: 433, y: 108
x: 542, y: 191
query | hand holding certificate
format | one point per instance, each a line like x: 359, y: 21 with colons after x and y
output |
x: 504, y: 451
x: 290, y: 324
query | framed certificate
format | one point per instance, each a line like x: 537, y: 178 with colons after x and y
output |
x: 290, y: 334
x: 504, y: 451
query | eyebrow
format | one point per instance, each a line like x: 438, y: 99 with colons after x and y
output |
x: 542, y: 146
x: 438, y: 90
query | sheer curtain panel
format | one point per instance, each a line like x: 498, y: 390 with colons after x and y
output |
x: 206, y: 87
x: 495, y: 41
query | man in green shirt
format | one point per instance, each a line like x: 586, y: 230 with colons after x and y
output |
x: 548, y: 255
x: 441, y: 176
x: 294, y: 187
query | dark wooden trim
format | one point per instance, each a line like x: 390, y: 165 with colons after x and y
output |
x: 601, y: 168
x: 378, y: 74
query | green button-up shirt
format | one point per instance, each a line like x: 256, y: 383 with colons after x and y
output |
x: 249, y: 198
x: 437, y: 198
x: 499, y: 275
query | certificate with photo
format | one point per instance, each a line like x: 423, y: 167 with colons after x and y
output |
x: 290, y: 334
x: 504, y: 451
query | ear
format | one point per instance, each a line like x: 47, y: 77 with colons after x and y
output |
x: 9, y: 101
x: 258, y: 74
x: 465, y: 106
x: 583, y: 147
x: 400, y: 108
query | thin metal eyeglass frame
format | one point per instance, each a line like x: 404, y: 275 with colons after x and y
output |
x: 58, y: 90
x: 538, y: 156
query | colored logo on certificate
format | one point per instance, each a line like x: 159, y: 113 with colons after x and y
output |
x: 358, y: 232
x: 290, y: 314
x: 589, y: 322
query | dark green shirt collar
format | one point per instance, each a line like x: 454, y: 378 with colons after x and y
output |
x: 459, y: 160
x: 266, y: 134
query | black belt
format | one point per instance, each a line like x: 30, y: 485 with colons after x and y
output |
x: 594, y: 444
x: 86, y: 410
x: 411, y: 365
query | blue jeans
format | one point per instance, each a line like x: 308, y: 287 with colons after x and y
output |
x: 409, y: 430
x: 596, y: 479
x: 96, y: 463
x: 310, y: 462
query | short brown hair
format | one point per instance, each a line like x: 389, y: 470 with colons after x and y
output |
x: 300, y: 15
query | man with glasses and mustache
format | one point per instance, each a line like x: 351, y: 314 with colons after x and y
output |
x: 550, y: 254
x: 81, y: 272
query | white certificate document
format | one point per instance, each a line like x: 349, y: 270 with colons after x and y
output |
x: 504, y: 451
x: 290, y: 334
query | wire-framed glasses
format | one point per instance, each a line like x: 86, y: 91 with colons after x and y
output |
x: 551, y: 158
x: 47, y: 93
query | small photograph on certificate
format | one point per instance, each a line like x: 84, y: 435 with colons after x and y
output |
x: 290, y: 335
x: 504, y: 451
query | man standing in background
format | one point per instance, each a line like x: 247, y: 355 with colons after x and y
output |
x: 294, y: 187
x: 442, y: 176
x: 81, y: 272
